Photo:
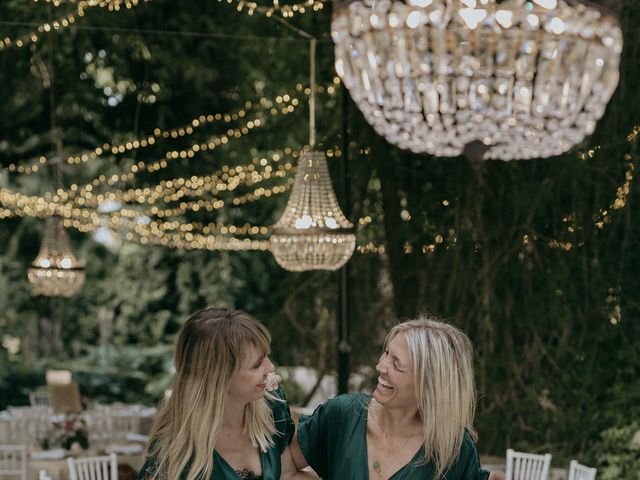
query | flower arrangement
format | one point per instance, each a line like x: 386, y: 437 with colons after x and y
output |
x: 66, y: 433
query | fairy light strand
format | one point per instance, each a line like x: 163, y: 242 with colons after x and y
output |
x: 66, y: 21
x: 280, y: 104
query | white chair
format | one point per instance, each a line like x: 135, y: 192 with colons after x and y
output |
x: 121, y: 424
x: 28, y: 424
x: 7, y: 435
x: 93, y: 468
x: 13, y: 461
x: 39, y: 398
x: 581, y: 472
x: 527, y: 466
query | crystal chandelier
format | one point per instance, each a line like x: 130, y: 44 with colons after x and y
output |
x: 55, y: 271
x: 528, y: 79
x: 313, y: 233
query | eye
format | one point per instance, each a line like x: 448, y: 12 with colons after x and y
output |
x: 398, y: 367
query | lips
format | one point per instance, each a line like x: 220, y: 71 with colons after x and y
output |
x: 383, y: 383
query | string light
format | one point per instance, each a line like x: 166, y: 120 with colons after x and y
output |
x: 283, y: 103
x: 286, y: 10
x: 177, y: 188
x: 66, y: 21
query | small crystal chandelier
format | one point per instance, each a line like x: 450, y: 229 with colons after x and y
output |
x: 313, y: 233
x: 55, y: 271
x: 528, y: 79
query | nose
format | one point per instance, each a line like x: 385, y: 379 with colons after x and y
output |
x: 268, y: 366
x: 381, y: 367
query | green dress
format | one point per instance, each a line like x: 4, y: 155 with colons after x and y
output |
x: 269, y: 460
x: 334, y: 443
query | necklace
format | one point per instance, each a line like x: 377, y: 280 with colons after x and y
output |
x: 377, y: 464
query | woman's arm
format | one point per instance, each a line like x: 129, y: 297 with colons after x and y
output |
x: 296, y: 453
x: 290, y: 469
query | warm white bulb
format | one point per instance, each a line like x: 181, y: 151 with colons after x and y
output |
x: 420, y: 3
x: 504, y: 18
x: 556, y: 26
x: 304, y: 222
x: 472, y: 16
x: 330, y: 222
x: 548, y: 4
x: 413, y: 19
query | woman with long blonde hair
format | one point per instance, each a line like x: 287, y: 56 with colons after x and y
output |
x: 418, y: 424
x: 219, y: 422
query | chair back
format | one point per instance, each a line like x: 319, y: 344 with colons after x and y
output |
x: 122, y: 424
x: 13, y: 461
x: 27, y: 424
x: 7, y: 436
x: 527, y: 466
x: 39, y: 398
x: 581, y: 472
x: 93, y: 468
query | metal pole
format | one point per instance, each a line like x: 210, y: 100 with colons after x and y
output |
x: 342, y: 317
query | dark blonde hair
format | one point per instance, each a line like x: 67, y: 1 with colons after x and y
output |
x: 442, y: 365
x: 211, y: 345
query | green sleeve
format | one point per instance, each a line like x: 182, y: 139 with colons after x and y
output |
x: 320, y: 434
x: 282, y: 419
x: 312, y: 438
x: 469, y: 456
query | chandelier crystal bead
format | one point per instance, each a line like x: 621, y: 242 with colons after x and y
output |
x: 313, y: 233
x: 55, y: 271
x: 528, y: 79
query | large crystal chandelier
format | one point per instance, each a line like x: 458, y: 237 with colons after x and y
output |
x: 528, y: 79
x: 313, y: 233
x: 55, y: 271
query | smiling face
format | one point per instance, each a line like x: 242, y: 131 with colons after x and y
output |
x: 395, y: 381
x: 248, y: 382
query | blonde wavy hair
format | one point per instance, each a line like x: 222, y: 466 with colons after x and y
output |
x: 442, y: 364
x: 211, y: 345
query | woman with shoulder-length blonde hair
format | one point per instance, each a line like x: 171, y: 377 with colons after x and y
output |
x: 418, y: 424
x: 219, y: 422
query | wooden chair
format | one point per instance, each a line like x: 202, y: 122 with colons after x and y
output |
x: 527, y: 466
x: 93, y: 468
x: 581, y: 472
x: 13, y: 461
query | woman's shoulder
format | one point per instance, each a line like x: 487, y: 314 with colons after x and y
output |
x: 348, y: 403
x: 468, y: 447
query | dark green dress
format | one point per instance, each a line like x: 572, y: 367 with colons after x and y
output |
x: 334, y: 442
x: 269, y: 460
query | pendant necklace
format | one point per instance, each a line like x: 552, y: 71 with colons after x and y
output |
x: 377, y: 465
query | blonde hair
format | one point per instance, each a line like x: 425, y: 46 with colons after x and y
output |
x: 442, y: 363
x: 211, y: 345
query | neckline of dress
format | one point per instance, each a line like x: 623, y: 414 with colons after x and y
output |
x: 234, y: 470
x: 366, y: 444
